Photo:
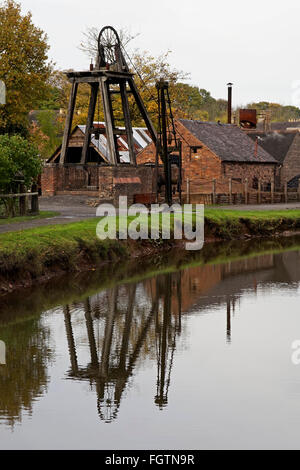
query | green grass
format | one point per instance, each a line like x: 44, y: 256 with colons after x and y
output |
x: 33, y: 251
x: 26, y: 218
x: 221, y: 214
x: 229, y: 224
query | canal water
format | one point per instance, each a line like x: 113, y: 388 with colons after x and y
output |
x: 166, y: 354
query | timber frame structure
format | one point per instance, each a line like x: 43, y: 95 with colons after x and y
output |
x: 111, y: 76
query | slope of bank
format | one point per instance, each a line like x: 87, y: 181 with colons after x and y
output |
x: 38, y: 254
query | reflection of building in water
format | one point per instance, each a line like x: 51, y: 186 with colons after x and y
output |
x: 140, y: 321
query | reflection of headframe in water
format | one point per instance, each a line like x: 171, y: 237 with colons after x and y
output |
x: 126, y: 328
x: 2, y: 92
x: 2, y: 353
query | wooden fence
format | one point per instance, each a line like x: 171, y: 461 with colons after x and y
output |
x: 233, y: 191
x: 23, y: 201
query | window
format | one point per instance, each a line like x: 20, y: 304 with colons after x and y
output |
x: 195, y: 148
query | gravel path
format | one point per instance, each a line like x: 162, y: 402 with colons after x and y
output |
x: 70, y: 208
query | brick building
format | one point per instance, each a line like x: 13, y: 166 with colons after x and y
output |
x: 217, y: 151
x: 210, y: 151
x: 98, y: 178
x: 283, y: 143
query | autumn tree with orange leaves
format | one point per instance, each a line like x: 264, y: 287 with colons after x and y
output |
x: 24, y: 66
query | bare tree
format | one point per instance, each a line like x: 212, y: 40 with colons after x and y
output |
x: 89, y: 43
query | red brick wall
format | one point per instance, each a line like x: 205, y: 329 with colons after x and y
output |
x: 105, y: 179
x: 263, y: 172
x: 202, y: 164
x: 140, y: 180
x: 64, y: 178
x: 49, y: 180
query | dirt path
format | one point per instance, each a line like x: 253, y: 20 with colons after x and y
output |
x: 74, y: 209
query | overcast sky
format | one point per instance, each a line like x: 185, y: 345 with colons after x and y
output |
x: 253, y: 44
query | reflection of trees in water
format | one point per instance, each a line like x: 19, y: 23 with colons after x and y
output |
x: 138, y: 324
x: 24, y: 377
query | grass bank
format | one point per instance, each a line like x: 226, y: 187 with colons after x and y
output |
x: 43, y: 252
x: 75, y: 287
x: 231, y: 224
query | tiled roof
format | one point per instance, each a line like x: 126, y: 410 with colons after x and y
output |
x: 276, y: 143
x: 227, y: 141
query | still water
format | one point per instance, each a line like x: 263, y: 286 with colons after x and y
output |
x: 194, y: 354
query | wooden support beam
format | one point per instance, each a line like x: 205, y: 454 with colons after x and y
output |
x: 142, y: 110
x: 68, y: 124
x: 127, y: 121
x: 108, y: 115
x: 90, y: 122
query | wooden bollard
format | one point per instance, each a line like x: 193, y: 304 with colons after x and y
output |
x: 214, y: 192
x: 272, y: 192
x: 34, y: 200
x: 246, y: 191
x: 230, y: 190
x: 259, y: 192
x: 22, y: 201
x: 285, y: 192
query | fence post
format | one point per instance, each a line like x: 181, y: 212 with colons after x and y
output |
x: 34, y: 200
x: 285, y: 192
x: 22, y: 201
x: 259, y: 192
x: 214, y: 191
x: 246, y: 191
x: 230, y: 190
x: 272, y: 192
x: 188, y: 190
x: 299, y: 189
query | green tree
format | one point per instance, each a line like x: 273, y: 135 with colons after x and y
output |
x: 24, y: 66
x: 279, y: 113
x: 17, y: 156
x: 46, y: 133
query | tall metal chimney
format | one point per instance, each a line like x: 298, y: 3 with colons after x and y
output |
x: 229, y: 108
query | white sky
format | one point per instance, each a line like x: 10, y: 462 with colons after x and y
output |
x: 253, y: 44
